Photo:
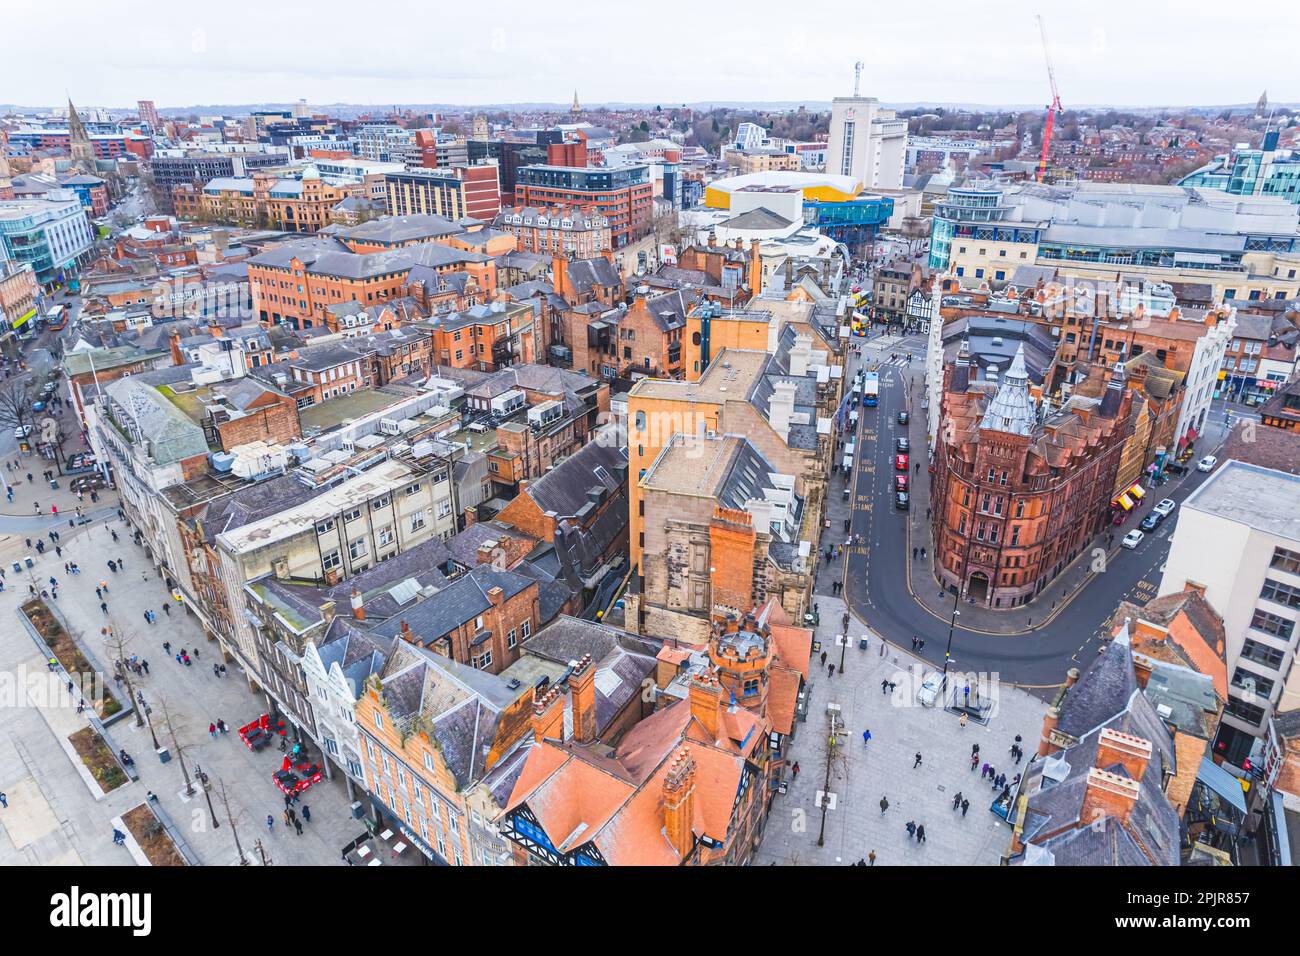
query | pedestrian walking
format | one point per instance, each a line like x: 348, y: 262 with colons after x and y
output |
x: 306, y: 813
x: 146, y: 617
x: 911, y: 829
x: 956, y: 801
x: 965, y: 805
x: 297, y: 826
x: 884, y: 805
x: 918, y: 760
x: 920, y: 645
x: 167, y: 609
x: 920, y: 833
x: 103, y: 607
x: 984, y: 770
x: 915, y: 552
x: 288, y: 816
x: 832, y: 673
x: 823, y: 658
x: 794, y: 771
x: 866, y: 737
x: 914, y: 640
x: 961, y: 721
x: 212, y: 731
x: 4, y: 800
x: 145, y: 666
x: 884, y: 686
x: 221, y: 725
x: 270, y: 822
x: 167, y: 646
x: 287, y: 801
x: 871, y: 857
x: 975, y: 750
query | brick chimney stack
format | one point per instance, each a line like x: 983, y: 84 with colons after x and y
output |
x: 582, y: 685
x: 174, y: 340
x: 706, y: 701
x: 1108, y: 795
x: 1132, y: 753
x: 358, y: 605
x: 496, y: 595
x: 679, y: 803
x: 548, y: 714
x: 1050, y: 719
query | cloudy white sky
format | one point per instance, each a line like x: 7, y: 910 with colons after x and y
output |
x: 1123, y: 52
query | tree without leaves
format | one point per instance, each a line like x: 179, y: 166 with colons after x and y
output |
x: 15, y: 405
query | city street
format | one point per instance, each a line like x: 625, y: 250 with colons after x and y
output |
x: 53, y: 815
x: 1032, y: 646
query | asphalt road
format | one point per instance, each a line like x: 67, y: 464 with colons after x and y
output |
x: 880, y: 590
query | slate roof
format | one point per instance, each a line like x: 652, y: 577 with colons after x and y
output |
x: 459, y: 706
x: 169, y: 434
x: 460, y: 601
x: 585, y: 274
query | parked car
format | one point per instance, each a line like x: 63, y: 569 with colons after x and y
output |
x: 1151, y: 521
x: 1176, y: 468
x: 900, y: 482
x: 902, y: 418
x: 1207, y: 463
x: 1166, y: 507
x: 900, y: 462
x: 22, y: 431
x: 928, y: 695
x: 1133, y: 539
x: 902, y: 444
x: 902, y: 500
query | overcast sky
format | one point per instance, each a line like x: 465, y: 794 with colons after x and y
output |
x: 1123, y: 52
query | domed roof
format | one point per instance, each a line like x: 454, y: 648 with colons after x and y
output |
x: 311, y: 172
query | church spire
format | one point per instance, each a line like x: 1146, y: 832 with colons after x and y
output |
x: 575, y: 109
x: 79, y: 146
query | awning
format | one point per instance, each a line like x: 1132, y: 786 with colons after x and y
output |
x: 1192, y: 435
x: 1124, y: 501
x: 1223, y: 783
x: 1137, y: 491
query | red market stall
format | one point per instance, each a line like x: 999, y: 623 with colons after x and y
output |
x: 297, y: 773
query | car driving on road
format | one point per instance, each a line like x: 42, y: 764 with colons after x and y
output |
x: 1207, y: 463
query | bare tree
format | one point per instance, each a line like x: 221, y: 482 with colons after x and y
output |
x: 16, y: 406
x: 176, y: 745
x: 230, y: 818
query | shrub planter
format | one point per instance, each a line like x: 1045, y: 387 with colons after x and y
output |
x: 99, y: 759
x: 152, y: 837
x: 48, y: 627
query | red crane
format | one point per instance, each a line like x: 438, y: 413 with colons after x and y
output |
x: 1052, y: 110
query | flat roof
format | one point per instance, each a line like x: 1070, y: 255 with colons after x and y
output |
x: 1262, y: 498
x: 729, y: 376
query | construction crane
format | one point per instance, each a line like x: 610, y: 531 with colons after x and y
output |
x: 1055, y: 106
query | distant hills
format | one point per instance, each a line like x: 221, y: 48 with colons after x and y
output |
x: 347, y: 110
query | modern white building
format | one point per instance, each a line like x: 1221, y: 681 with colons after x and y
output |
x: 866, y: 142
x: 1203, y: 376
x: 1237, y: 538
x: 52, y: 235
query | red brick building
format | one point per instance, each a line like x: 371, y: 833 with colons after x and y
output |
x: 1016, y: 494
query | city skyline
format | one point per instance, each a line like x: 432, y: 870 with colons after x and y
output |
x: 205, y: 62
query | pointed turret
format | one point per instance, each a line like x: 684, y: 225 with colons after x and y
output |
x: 1012, y: 408
x: 1114, y: 396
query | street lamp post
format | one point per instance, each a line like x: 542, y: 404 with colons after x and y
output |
x: 947, y: 654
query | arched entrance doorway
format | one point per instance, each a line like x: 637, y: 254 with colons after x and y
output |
x: 977, y: 588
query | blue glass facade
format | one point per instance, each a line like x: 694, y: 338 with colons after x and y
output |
x: 854, y: 222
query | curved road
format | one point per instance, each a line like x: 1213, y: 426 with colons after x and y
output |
x: 881, y: 577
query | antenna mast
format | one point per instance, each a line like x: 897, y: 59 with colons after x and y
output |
x: 857, y: 77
